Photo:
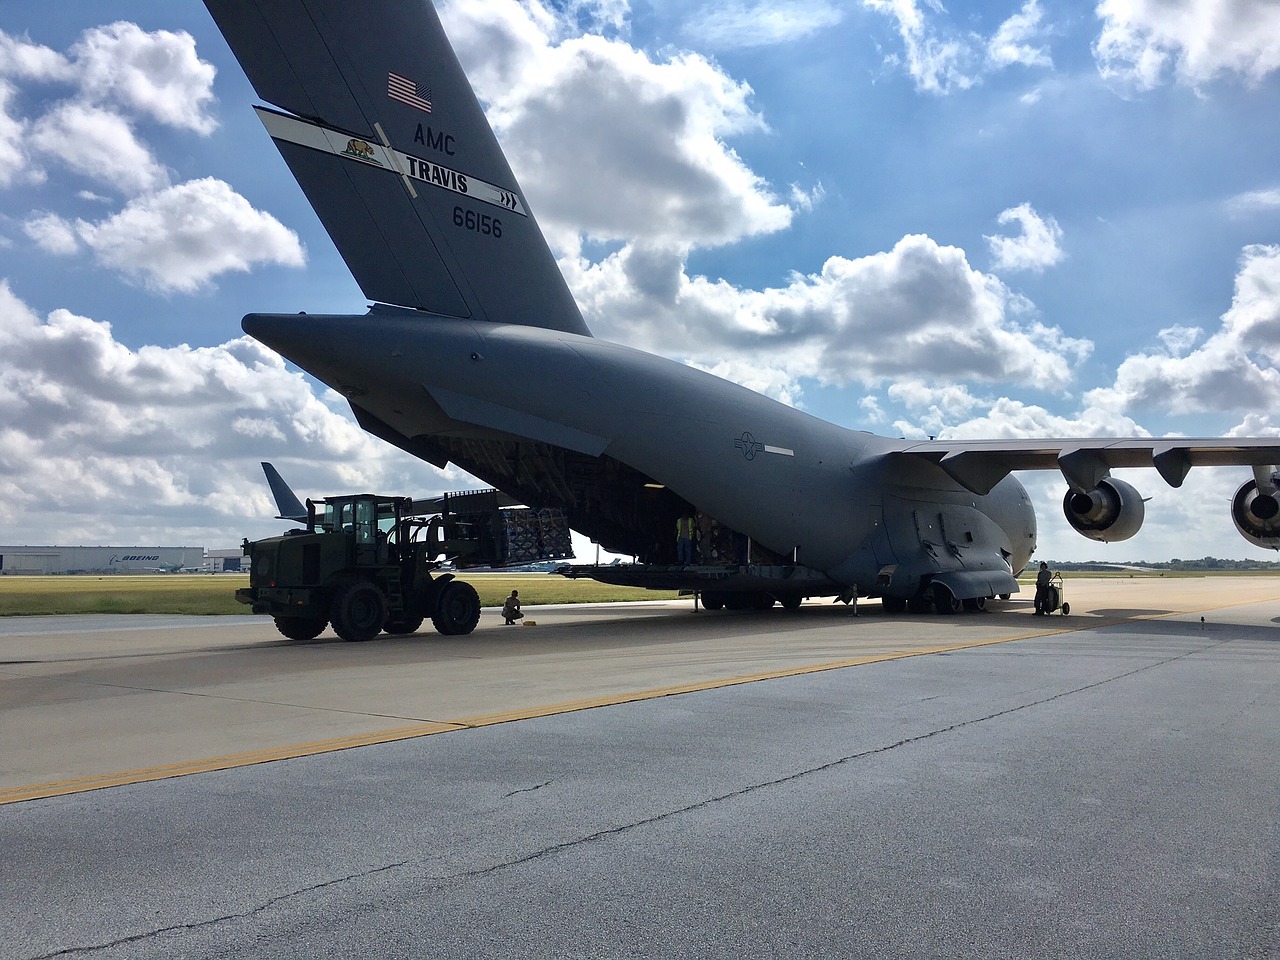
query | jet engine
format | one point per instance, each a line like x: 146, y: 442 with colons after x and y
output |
x: 1257, y: 515
x: 1109, y: 512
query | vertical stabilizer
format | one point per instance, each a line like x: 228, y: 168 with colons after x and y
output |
x: 386, y: 137
x: 287, y: 501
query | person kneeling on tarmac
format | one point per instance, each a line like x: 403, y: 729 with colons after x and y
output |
x: 511, y: 609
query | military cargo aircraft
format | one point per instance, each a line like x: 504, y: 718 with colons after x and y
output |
x: 474, y: 352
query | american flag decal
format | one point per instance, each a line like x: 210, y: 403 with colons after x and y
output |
x: 405, y: 90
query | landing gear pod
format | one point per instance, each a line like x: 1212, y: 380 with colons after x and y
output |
x: 1111, y: 511
x: 1257, y: 515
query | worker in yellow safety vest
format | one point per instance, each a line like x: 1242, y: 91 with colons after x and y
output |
x: 684, y: 540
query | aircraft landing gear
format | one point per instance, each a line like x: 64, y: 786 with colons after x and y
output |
x: 944, y: 601
x: 893, y: 604
x: 919, y: 604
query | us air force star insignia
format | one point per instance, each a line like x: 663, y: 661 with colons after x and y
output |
x: 749, y: 445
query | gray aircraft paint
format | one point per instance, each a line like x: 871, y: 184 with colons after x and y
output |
x: 485, y: 360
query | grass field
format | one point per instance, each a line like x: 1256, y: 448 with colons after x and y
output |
x: 1029, y: 575
x: 195, y: 594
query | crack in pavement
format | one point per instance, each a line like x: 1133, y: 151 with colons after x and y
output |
x: 635, y: 825
x: 213, y: 921
x: 822, y: 768
x: 537, y: 786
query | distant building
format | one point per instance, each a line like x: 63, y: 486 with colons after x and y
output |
x: 31, y: 561
x: 224, y: 561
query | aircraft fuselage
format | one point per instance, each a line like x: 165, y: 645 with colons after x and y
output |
x: 832, y: 499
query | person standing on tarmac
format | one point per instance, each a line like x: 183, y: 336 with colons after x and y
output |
x: 1043, y: 590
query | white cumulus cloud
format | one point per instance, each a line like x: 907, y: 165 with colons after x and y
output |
x: 1142, y: 41
x: 156, y: 73
x: 919, y: 310
x: 101, y: 442
x: 1015, y: 40
x: 19, y: 57
x: 115, y: 77
x: 97, y: 144
x: 941, y: 57
x: 181, y: 237
x: 1254, y: 201
x: 1234, y: 369
x: 52, y: 233
x: 1037, y: 246
x: 651, y: 159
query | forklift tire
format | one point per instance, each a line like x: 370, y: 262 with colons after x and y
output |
x: 301, y: 628
x: 402, y: 627
x: 457, y: 609
x: 358, y: 611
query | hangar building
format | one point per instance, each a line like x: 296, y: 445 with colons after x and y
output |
x: 30, y: 561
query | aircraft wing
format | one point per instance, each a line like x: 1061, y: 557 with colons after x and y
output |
x: 978, y: 465
x: 394, y: 153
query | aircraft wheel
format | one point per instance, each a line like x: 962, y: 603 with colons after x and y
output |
x: 919, y: 604
x: 712, y: 600
x: 762, y: 601
x: 1005, y: 596
x: 976, y: 603
x: 791, y: 601
x: 737, y: 601
x: 358, y: 612
x: 1066, y: 609
x: 945, y: 602
x: 457, y: 609
x: 893, y: 604
x: 301, y: 628
x: 402, y: 627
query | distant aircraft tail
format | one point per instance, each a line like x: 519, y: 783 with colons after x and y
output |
x: 392, y: 148
x: 287, y: 501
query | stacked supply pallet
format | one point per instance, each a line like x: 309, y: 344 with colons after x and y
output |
x: 529, y: 536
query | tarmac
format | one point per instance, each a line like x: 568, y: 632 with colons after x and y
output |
x: 644, y: 779
x: 93, y: 701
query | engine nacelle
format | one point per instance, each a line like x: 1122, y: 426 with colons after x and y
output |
x: 1111, y: 511
x: 1257, y: 515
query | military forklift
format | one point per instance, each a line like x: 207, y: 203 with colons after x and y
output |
x: 369, y: 564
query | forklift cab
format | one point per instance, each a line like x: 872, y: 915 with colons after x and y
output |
x: 374, y: 523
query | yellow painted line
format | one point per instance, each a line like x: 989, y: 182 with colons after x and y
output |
x: 429, y: 728
x: 59, y: 788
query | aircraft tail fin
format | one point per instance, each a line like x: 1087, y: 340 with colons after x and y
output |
x: 389, y: 143
x: 287, y: 501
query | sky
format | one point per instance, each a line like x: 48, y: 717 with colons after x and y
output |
x: 995, y: 219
